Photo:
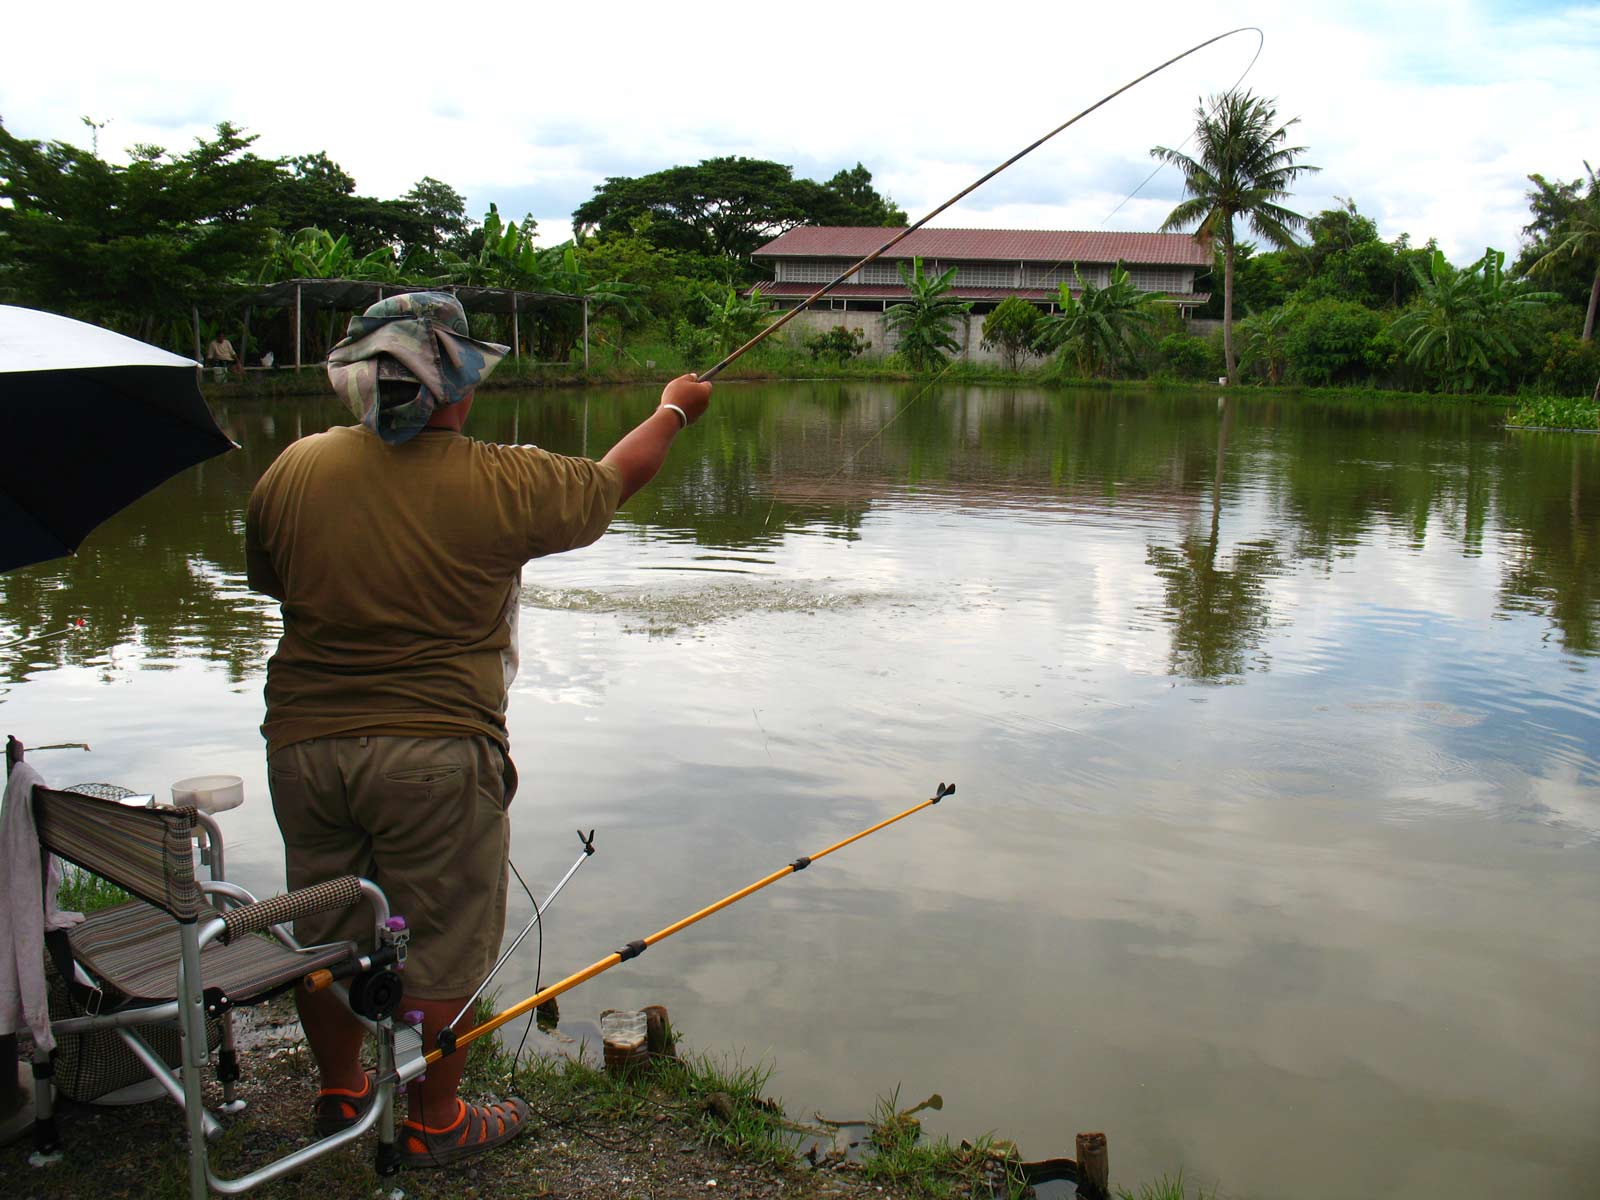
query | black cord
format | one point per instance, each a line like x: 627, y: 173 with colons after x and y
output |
x: 538, y: 963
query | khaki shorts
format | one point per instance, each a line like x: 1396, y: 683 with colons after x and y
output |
x: 423, y: 818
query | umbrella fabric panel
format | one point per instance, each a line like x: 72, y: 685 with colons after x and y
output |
x: 32, y: 340
x: 79, y: 445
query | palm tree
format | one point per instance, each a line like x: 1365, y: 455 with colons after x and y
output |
x: 923, y: 320
x: 1103, y: 326
x: 1243, y: 169
x: 1580, y: 239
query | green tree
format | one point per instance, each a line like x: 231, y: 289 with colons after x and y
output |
x: 1013, y: 329
x: 839, y: 345
x: 134, y: 246
x: 441, y: 221
x: 1347, y: 260
x: 923, y: 320
x: 1244, y: 169
x: 1266, y: 342
x: 850, y: 199
x: 1576, y: 239
x: 317, y: 254
x: 1551, y: 204
x: 1102, y: 328
x: 1465, y: 328
x: 314, y: 192
x: 727, y: 207
x: 1189, y: 357
x: 1327, y: 342
x: 732, y: 319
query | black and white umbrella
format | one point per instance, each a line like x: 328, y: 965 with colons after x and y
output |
x: 89, y: 422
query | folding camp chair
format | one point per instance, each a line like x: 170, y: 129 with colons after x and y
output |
x: 185, y: 952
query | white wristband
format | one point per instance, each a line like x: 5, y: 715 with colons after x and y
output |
x: 683, y: 417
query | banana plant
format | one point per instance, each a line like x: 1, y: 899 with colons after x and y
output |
x: 1466, y: 323
x: 313, y: 253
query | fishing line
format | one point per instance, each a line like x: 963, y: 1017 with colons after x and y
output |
x: 538, y: 961
x: 962, y: 194
x: 1261, y: 44
x: 903, y: 234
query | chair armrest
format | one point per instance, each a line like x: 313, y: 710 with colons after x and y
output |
x: 342, y: 892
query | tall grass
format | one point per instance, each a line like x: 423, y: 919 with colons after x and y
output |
x: 81, y: 891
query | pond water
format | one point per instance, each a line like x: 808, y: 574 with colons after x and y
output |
x: 1276, y: 849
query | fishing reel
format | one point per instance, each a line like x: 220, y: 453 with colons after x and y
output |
x: 375, y: 993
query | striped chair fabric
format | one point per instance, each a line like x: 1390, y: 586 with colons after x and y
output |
x: 148, y: 851
x: 134, y: 948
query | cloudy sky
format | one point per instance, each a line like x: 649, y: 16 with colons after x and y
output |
x: 1430, y: 115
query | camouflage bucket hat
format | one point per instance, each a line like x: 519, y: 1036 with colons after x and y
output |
x: 420, y: 337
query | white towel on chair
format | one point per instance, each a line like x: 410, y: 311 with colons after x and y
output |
x: 27, y: 909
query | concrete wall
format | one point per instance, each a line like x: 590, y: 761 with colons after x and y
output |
x: 883, y: 341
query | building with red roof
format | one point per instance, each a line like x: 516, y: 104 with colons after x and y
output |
x: 991, y: 265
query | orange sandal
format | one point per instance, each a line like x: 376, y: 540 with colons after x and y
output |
x: 340, y: 1108
x: 477, y: 1127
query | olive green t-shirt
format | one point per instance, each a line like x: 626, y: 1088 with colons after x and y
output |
x: 398, y: 568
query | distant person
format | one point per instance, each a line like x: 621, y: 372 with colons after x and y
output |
x: 396, y: 548
x: 220, y: 353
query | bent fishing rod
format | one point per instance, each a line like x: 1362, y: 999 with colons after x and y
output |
x: 449, y: 1041
x: 822, y: 291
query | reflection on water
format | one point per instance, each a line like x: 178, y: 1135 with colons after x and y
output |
x: 1349, y: 900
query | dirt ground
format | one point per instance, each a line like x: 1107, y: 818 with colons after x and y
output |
x: 568, y: 1153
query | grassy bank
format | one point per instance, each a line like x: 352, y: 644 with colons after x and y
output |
x: 779, y: 365
x: 695, y: 1124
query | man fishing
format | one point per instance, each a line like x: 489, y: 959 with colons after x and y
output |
x: 395, y: 547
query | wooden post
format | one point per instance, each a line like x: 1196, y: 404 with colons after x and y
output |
x: 194, y: 312
x: 659, y: 1038
x: 1094, y: 1166
x: 586, y: 333
x: 297, y: 327
x: 244, y: 341
x: 516, y: 340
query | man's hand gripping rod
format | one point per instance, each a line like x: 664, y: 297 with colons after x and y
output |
x: 449, y: 1043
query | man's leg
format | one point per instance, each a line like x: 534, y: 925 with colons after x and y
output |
x: 432, y: 1102
x: 437, y: 809
x: 334, y: 1036
x: 321, y: 842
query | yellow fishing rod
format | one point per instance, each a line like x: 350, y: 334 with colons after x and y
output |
x: 449, y: 1042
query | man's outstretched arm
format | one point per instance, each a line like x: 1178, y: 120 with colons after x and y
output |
x: 641, y: 451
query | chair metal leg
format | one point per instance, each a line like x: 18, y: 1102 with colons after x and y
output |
x: 191, y: 1000
x: 228, y: 1068
x: 46, y: 1138
x: 164, y: 1076
x: 388, y: 1159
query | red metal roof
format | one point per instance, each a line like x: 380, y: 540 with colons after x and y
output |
x: 990, y: 245
x: 895, y: 291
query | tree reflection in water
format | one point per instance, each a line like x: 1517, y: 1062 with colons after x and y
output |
x: 1324, y: 479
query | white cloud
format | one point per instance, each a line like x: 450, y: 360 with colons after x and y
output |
x: 1430, y: 116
